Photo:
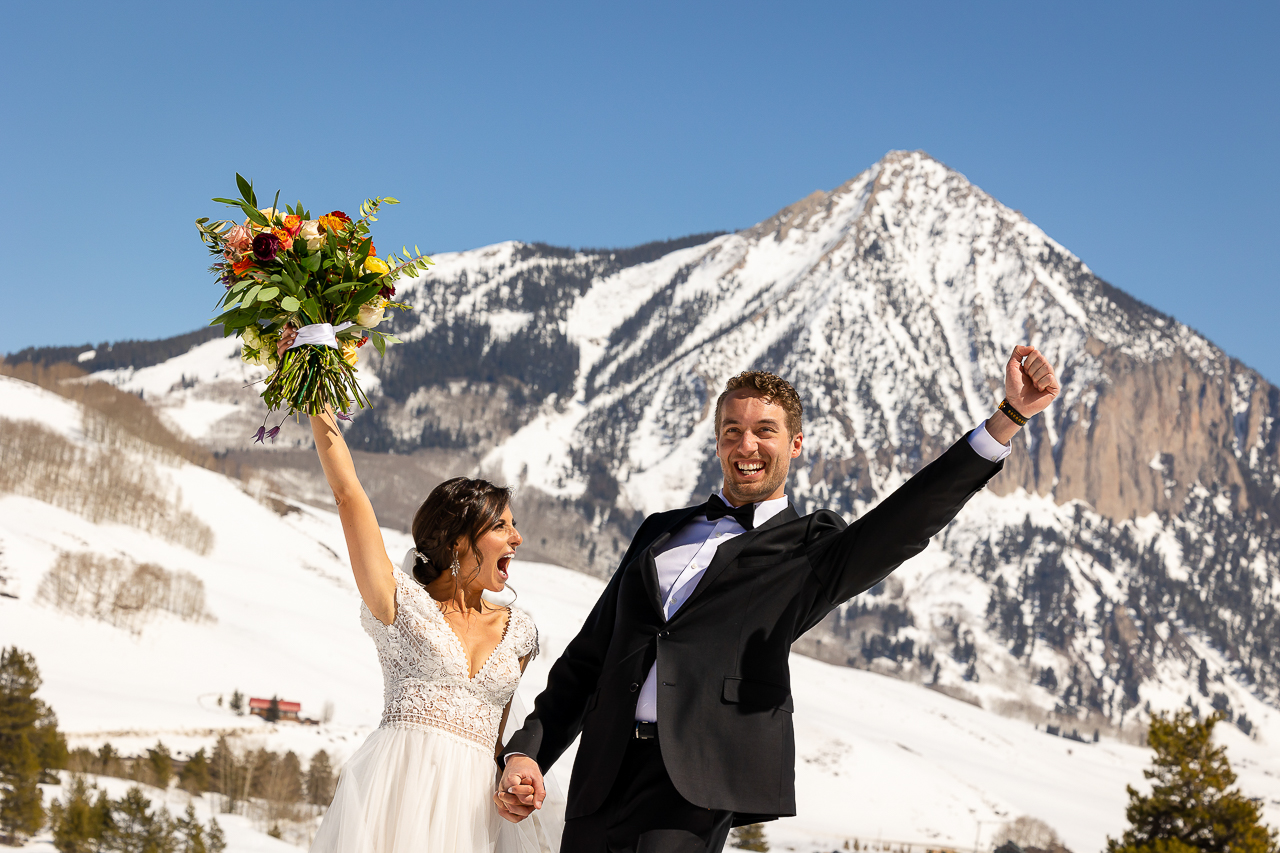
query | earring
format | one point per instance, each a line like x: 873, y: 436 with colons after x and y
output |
x: 454, y: 567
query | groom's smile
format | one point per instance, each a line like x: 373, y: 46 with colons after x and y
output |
x: 754, y: 447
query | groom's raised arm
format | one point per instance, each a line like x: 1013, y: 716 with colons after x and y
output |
x: 848, y: 561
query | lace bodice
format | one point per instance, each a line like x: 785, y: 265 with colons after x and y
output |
x: 425, y: 669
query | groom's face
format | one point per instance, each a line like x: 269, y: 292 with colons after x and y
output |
x: 754, y: 448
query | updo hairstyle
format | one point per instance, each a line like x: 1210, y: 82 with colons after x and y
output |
x: 456, y: 509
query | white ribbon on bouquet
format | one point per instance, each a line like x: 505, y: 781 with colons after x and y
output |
x: 320, y: 334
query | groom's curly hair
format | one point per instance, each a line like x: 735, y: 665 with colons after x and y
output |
x: 456, y: 509
x: 772, y: 389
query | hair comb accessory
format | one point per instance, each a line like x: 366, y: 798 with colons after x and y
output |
x: 411, y: 559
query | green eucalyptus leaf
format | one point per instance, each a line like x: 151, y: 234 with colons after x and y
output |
x: 246, y: 188
x: 255, y: 216
x: 346, y: 285
x: 379, y: 344
x: 268, y: 293
x: 232, y: 201
x: 290, y: 304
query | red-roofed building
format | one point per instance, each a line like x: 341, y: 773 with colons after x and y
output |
x: 288, y: 710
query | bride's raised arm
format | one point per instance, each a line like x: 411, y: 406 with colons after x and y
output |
x: 369, y: 561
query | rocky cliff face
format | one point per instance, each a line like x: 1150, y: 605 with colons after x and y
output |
x: 1126, y: 557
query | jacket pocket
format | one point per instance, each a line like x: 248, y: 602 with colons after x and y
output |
x: 757, y: 694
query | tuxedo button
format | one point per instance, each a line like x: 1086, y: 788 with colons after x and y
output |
x: 634, y: 687
x: 664, y: 634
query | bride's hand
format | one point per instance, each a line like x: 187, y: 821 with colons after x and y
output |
x: 515, y: 803
x: 521, y: 790
x: 287, y: 334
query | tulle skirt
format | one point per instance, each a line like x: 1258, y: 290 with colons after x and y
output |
x: 425, y: 791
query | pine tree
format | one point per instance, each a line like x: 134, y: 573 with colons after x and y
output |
x: 78, y: 826
x: 225, y: 772
x: 273, y: 710
x: 134, y: 829
x: 1190, y: 808
x: 216, y: 841
x: 750, y: 837
x: 190, y: 833
x: 320, y: 779
x: 237, y: 702
x: 160, y: 765
x: 21, y: 741
x: 1202, y: 678
x: 194, y: 776
x: 192, y: 837
x: 108, y: 760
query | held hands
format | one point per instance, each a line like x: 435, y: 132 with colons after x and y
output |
x: 520, y: 790
x: 1029, y: 386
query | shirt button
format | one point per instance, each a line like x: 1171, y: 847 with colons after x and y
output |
x: 635, y: 687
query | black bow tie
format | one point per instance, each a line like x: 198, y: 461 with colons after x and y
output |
x: 718, y: 509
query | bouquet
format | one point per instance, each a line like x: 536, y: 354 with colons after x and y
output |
x: 322, y: 276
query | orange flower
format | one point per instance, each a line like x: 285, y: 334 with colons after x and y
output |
x: 240, y: 266
x: 293, y: 224
x: 332, y: 222
x: 285, y: 238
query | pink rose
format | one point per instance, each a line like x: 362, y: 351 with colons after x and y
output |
x: 239, y: 239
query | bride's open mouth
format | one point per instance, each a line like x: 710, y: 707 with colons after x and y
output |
x: 504, y: 564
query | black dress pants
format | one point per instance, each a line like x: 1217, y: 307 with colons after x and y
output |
x: 644, y: 813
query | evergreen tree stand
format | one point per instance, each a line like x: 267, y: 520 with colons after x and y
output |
x: 1190, y: 808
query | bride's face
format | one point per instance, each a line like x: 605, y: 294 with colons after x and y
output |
x: 496, y: 549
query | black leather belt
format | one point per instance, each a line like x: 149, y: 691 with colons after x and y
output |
x: 646, y: 731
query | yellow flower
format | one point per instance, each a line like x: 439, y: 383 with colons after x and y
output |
x: 350, y: 352
x: 376, y: 265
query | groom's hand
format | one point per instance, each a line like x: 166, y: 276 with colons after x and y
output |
x: 1029, y: 386
x: 520, y: 790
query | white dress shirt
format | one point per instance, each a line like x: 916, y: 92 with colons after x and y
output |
x: 687, y: 554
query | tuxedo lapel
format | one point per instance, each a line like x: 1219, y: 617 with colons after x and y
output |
x: 649, y: 569
x: 648, y: 563
x: 729, y: 551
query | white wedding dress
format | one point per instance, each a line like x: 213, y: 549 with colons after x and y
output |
x: 423, y: 782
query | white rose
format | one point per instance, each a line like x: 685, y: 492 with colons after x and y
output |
x: 312, y: 234
x: 249, y: 335
x: 372, y: 312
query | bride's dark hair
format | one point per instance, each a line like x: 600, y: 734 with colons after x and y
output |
x: 456, y: 509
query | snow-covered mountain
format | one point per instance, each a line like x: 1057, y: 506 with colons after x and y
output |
x: 1126, y: 557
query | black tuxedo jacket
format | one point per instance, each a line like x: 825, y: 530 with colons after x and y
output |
x: 724, y: 689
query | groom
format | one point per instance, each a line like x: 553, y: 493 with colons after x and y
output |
x: 679, y: 680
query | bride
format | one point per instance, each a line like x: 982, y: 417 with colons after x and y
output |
x: 423, y: 781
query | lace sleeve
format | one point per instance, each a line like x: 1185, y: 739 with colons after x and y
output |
x: 528, y: 640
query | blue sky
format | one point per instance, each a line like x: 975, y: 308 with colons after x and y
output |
x: 1141, y: 136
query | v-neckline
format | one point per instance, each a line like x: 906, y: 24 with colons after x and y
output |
x: 462, y: 647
